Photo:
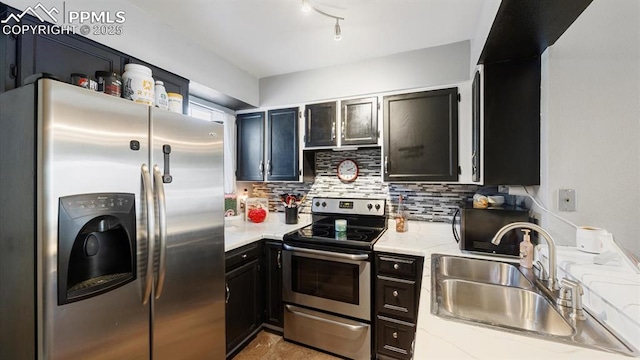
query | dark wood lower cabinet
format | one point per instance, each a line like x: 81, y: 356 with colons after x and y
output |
x: 254, y: 292
x: 274, y: 309
x: 394, y: 338
x: 244, y: 300
x: 397, y: 289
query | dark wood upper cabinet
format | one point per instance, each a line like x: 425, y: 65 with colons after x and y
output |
x: 282, y: 154
x: 359, y: 123
x: 320, y: 125
x: 512, y: 122
x: 63, y: 54
x: 522, y: 29
x: 421, y: 136
x: 250, y: 147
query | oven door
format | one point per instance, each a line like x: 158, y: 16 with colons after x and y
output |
x: 331, y: 281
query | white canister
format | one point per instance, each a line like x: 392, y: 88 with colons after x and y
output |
x: 175, y: 102
x: 162, y: 100
x: 591, y: 239
x: 138, y: 85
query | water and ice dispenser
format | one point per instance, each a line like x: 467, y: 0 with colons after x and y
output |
x: 96, y: 244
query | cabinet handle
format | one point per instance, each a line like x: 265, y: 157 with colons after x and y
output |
x: 395, y: 334
x: 261, y: 168
x: 226, y: 288
x: 395, y: 293
x: 396, y: 266
x: 279, y: 260
x: 344, y: 125
x: 333, y: 130
x: 269, y: 167
x: 386, y: 164
x: 309, y: 125
x: 474, y: 167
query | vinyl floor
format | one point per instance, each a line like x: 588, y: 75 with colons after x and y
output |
x: 269, y: 346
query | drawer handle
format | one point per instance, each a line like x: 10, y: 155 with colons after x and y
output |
x: 244, y: 256
x: 395, y: 293
x: 396, y: 266
x: 395, y: 334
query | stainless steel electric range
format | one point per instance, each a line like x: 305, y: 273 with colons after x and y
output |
x: 327, y: 277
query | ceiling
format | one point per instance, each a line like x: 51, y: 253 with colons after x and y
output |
x: 273, y: 37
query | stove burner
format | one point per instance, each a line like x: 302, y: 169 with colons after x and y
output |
x: 313, y: 231
x: 364, y: 231
x: 364, y: 227
x: 348, y: 236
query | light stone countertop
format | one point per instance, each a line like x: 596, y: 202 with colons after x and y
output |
x: 436, y: 338
x: 238, y: 232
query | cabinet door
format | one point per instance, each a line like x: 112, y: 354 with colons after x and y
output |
x: 320, y: 124
x: 242, y: 305
x: 475, y: 139
x: 250, y: 163
x: 282, y: 157
x: 273, y: 264
x: 63, y: 54
x: 512, y: 122
x: 8, y: 56
x: 421, y: 136
x: 394, y: 338
x: 359, y: 121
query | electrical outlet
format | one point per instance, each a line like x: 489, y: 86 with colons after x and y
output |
x: 566, y: 200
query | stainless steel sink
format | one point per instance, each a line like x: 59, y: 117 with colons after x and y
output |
x: 503, y: 306
x: 491, y: 272
x: 502, y: 296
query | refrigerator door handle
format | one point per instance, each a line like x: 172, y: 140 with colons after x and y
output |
x: 148, y: 211
x: 162, y: 221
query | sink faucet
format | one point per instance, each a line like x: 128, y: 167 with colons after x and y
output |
x: 553, y: 283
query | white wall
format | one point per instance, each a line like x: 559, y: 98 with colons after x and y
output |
x: 441, y: 65
x: 590, y: 136
x: 485, y: 20
x: 152, y: 41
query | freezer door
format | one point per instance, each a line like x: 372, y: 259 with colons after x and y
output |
x: 188, y: 319
x: 86, y: 145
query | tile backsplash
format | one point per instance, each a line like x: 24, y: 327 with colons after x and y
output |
x: 424, y: 201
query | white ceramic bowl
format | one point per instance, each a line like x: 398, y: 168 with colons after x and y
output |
x: 495, y: 200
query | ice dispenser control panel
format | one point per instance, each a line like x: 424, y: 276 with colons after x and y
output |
x: 86, y: 204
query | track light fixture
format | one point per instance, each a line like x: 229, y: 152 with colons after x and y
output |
x: 337, y: 32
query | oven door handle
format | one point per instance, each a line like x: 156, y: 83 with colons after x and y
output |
x: 313, y: 317
x: 356, y: 257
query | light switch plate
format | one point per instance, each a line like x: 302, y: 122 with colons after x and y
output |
x: 566, y: 200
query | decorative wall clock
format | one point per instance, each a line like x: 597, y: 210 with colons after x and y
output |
x: 347, y: 170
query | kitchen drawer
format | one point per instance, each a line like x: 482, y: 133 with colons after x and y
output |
x: 394, y: 338
x: 396, y: 297
x: 243, y: 255
x: 397, y: 266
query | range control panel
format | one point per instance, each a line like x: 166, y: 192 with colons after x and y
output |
x: 349, y: 206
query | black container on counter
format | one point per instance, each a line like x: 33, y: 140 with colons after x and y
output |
x: 81, y: 80
x: 291, y: 215
x: 109, y: 83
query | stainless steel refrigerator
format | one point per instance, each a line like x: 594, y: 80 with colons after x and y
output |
x: 112, y: 228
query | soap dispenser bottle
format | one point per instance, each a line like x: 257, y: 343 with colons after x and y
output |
x: 526, y: 250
